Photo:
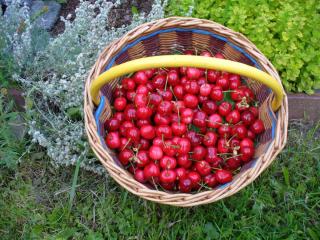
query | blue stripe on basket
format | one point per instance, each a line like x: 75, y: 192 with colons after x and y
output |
x: 98, y: 112
x: 181, y: 30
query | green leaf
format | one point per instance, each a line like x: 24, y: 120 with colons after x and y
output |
x: 286, y: 176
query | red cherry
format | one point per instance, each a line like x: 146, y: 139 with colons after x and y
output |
x: 151, y: 171
x: 149, y: 72
x: 181, y: 173
x: 247, y: 153
x: 217, y: 162
x: 147, y: 131
x: 203, y: 168
x: 223, y: 176
x: 190, y: 101
x: 119, y: 116
x: 173, y: 78
x: 143, y: 113
x: 168, y: 148
x: 240, y: 131
x: 128, y: 84
x: 113, y: 140
x: 133, y: 133
x: 210, y: 139
x: 166, y: 94
x: 155, y: 152
x: 139, y: 176
x: 237, y: 94
x: 140, y: 77
x: 219, y: 55
x: 233, y: 117
x: 123, y: 128
x: 178, y: 129
x: 224, y: 108
x: 235, y: 81
x: 159, y: 81
x: 119, y: 92
x: 242, y: 106
x: 223, y: 82
x: 112, y: 124
x: 224, y: 131
x: 130, y: 95
x: 233, y: 163
x: 248, y: 94
x: 199, y: 153
x: 168, y: 176
x: 210, y: 180
x: 195, y: 179
x: 142, y: 158
x: 234, y: 143
x: 178, y: 92
x: 142, y: 89
x: 177, y: 106
x: 165, y: 107
x: 130, y: 113
x: 193, y: 73
x: 257, y: 127
x: 192, y: 87
x: 185, y: 185
x: 255, y: 111
x: 144, y: 144
x: 199, y: 119
x: 157, y: 141
x: 214, y: 121
x: 164, y: 131
x: 155, y: 99
x: 194, y: 138
x: 120, y: 103
x: 125, y: 156
x: 247, y: 118
x: 186, y: 115
x: 206, y: 54
x: 161, y: 119
x: 184, y: 146
x: 184, y: 161
x: 125, y: 143
x: 223, y: 146
x: 251, y: 134
x: 167, y: 162
x: 216, y: 94
x: 140, y: 100
x: 142, y: 122
x: 201, y: 81
x: 213, y: 75
x: 202, y: 99
x: 209, y: 107
x: 246, y: 142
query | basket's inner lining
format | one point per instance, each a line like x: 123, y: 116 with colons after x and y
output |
x: 175, y: 41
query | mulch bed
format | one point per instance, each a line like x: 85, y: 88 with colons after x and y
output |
x: 120, y: 15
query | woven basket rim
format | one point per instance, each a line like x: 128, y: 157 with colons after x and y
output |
x: 124, y: 178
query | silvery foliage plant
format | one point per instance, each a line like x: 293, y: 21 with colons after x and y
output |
x: 53, y: 71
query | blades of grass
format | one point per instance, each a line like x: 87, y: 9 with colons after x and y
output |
x: 286, y: 176
x: 74, y: 184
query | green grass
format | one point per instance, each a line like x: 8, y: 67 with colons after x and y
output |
x: 283, y: 203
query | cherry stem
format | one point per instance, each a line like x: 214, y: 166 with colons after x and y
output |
x: 165, y: 86
x: 126, y: 144
x: 229, y: 91
x: 214, y: 122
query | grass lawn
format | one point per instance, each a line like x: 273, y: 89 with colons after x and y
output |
x: 283, y: 203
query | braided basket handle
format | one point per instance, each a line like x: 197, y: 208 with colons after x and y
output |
x: 190, y: 61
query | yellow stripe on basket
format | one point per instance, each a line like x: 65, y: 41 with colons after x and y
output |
x: 192, y: 61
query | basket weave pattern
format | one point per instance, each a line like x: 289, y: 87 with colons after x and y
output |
x: 165, y: 36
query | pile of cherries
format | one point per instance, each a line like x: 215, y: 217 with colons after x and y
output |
x: 183, y: 129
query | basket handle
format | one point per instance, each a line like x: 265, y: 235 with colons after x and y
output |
x: 190, y: 61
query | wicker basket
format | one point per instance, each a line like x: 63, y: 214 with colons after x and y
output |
x: 163, y: 37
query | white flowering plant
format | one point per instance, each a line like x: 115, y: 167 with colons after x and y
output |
x: 53, y: 71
